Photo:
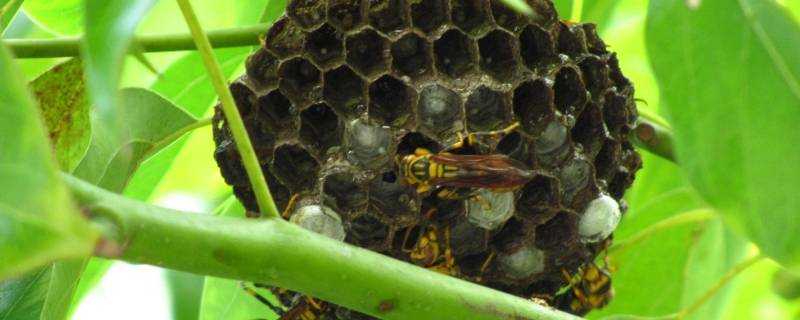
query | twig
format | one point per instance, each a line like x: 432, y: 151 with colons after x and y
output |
x: 251, y: 165
x: 653, y: 137
x: 69, y: 46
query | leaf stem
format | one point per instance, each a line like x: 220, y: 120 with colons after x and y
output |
x: 70, y: 46
x: 577, y: 10
x: 278, y: 253
x: 653, y: 137
x: 692, y: 216
x: 251, y: 165
x: 736, y: 270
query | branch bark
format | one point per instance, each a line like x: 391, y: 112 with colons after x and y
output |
x: 653, y: 137
x: 276, y: 252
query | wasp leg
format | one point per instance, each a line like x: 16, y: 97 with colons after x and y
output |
x: 252, y: 292
x: 290, y: 206
x: 485, y: 204
x: 456, y: 193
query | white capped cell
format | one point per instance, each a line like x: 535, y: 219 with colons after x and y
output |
x: 522, y: 263
x: 600, y: 219
x: 320, y: 219
x: 489, y: 210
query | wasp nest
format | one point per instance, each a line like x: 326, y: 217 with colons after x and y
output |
x: 342, y: 88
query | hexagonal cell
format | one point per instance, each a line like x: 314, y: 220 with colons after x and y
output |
x: 325, y: 45
x: 428, y: 15
x: 553, y: 145
x: 538, y: 199
x: 595, y: 74
x: 593, y: 41
x: 471, y: 16
x: 280, y: 193
x: 544, y: 12
x: 346, y: 15
x: 341, y: 192
x: 307, y: 13
x: 369, y: 232
x: 615, y: 113
x: 621, y: 181
x: 558, y: 233
x: 391, y: 101
x: 536, y: 47
x: 571, y: 40
x: 575, y: 175
x: 319, y: 219
x: 606, y: 160
x: 276, y: 110
x: 570, y: 91
x: 439, y: 111
x: 589, y: 131
x: 412, y: 56
x: 243, y: 96
x: 320, y: 128
x: 533, y: 102
x: 413, y: 140
x: 262, y: 68
x: 295, y: 167
x: 467, y: 239
x: 514, y: 146
x: 486, y: 109
x: 491, y: 210
x: 284, y: 38
x: 367, y: 52
x: 344, y: 91
x: 498, y: 55
x: 300, y: 80
x: 393, y: 202
x: 388, y: 16
x: 522, y: 263
x: 454, y: 53
x: 599, y: 220
x: 367, y: 145
x: 508, y: 18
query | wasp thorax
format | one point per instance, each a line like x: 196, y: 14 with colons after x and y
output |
x: 522, y: 263
x: 490, y: 210
x: 599, y: 220
x: 368, y: 145
x: 320, y: 219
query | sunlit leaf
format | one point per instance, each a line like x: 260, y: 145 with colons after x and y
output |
x: 8, y: 8
x: 729, y: 75
x: 185, y: 290
x: 38, y: 222
x: 151, y: 122
x: 109, y: 28
x: 58, y: 16
x: 61, y: 93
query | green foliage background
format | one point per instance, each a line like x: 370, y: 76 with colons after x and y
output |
x: 710, y: 70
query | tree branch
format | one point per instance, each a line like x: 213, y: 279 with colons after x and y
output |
x: 653, y: 137
x: 276, y: 252
x: 69, y: 46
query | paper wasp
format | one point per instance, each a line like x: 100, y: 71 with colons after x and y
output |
x: 590, y: 288
x: 306, y: 308
x: 457, y: 173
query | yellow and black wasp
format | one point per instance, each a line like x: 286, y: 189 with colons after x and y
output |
x: 456, y: 173
x: 306, y: 308
x: 589, y: 288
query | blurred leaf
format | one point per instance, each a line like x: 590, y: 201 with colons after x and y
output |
x: 186, y: 83
x: 752, y: 296
x: 63, y: 17
x: 733, y: 97
x: 89, y: 277
x: 109, y: 28
x: 38, y: 222
x: 186, y: 290
x: 716, y: 251
x: 61, y: 93
x: 8, y: 9
x: 225, y: 298
x: 41, y: 294
x: 151, y: 122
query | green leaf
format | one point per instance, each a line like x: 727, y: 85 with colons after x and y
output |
x: 185, y: 290
x: 151, y: 122
x: 38, y: 222
x: 8, y: 9
x: 109, y: 29
x: 730, y: 84
x: 63, y: 17
x: 225, y: 298
x: 90, y: 276
x: 61, y: 93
